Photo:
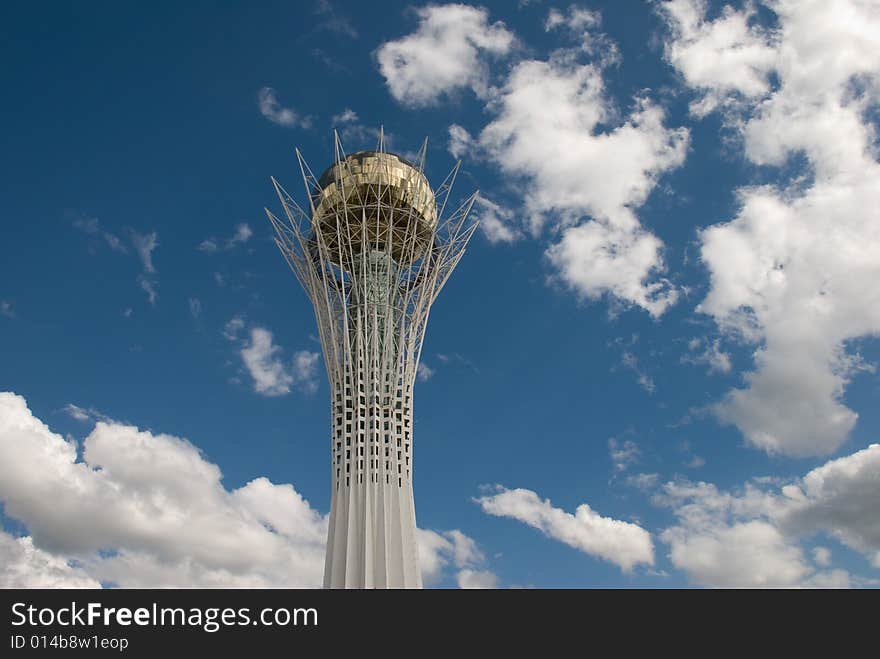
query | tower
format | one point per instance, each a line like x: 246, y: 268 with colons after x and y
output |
x: 372, y: 252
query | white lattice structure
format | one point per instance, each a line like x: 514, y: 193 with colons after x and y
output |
x: 372, y: 251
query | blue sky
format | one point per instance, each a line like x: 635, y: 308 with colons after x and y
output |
x: 655, y: 365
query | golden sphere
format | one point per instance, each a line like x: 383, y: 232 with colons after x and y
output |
x: 374, y: 200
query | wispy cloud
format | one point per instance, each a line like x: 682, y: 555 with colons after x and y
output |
x: 144, y: 244
x: 332, y: 20
x: 242, y: 234
x: 270, y: 108
x: 623, y: 453
x: 424, y: 372
x: 708, y: 353
x: 92, y: 226
x: 631, y: 362
x: 85, y: 414
x: 149, y: 287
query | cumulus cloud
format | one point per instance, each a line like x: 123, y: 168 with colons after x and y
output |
x: 795, y: 270
x: 272, y: 109
x: 24, y: 566
x: 270, y: 374
x: 839, y: 498
x: 439, y: 551
x: 752, y: 537
x: 447, y: 52
x: 622, y: 543
x: 6, y: 309
x: 556, y: 134
x: 727, y: 59
x: 581, y: 166
x: 140, y: 509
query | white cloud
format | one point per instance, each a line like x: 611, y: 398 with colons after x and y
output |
x: 77, y: 412
x: 446, y: 53
x: 144, y: 244
x: 149, y: 287
x: 270, y: 373
x: 261, y: 357
x: 347, y: 116
x: 708, y: 353
x: 305, y: 369
x: 623, y: 454
x: 795, y: 270
x: 271, y: 108
x: 583, y: 24
x: 643, y: 481
x: 822, y: 556
x: 460, y: 141
x: 6, y: 309
x: 243, y: 233
x: 477, y: 579
x: 440, y: 550
x: 233, y: 328
x: 92, y: 227
x: 24, y: 566
x: 424, y: 372
x: 496, y: 221
x: 752, y: 537
x: 631, y: 362
x: 556, y: 135
x: 85, y: 413
x: 695, y: 462
x: 195, y: 307
x: 623, y: 543
x: 839, y: 498
x: 144, y: 509
x: 334, y: 21
x: 578, y: 18
x: 726, y: 59
x: 746, y: 554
